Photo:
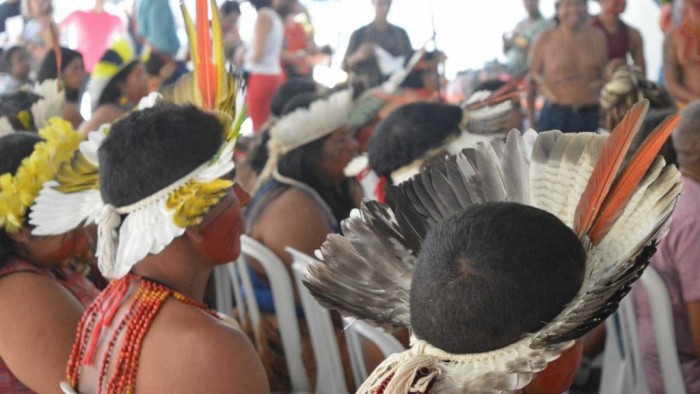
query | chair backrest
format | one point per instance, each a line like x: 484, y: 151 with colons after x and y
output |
x: 623, y: 365
x: 283, y: 298
x: 330, y: 375
x: 355, y: 331
x: 66, y: 388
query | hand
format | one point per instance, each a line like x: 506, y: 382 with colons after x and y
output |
x: 365, y: 51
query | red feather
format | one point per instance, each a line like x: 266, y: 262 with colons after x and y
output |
x: 206, y: 68
x: 606, y: 168
x: 627, y: 182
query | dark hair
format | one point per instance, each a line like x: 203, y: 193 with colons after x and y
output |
x: 288, y: 90
x: 258, y: 4
x: 111, y: 93
x: 12, y: 104
x: 414, y: 79
x: 302, y: 164
x: 652, y: 120
x: 14, y: 148
x: 409, y: 132
x: 6, y: 59
x: 48, y: 69
x: 151, y: 149
x: 230, y: 7
x: 488, y: 275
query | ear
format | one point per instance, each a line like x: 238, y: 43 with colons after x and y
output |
x: 20, y: 237
x: 194, y: 233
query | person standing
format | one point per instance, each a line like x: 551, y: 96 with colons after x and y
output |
x: 622, y: 39
x: 682, y: 56
x: 517, y: 46
x: 360, y: 57
x: 567, y: 64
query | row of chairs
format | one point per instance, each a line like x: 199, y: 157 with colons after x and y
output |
x: 330, y: 376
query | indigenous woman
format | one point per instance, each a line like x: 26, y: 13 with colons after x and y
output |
x: 302, y: 185
x: 177, y: 217
x: 117, y: 83
x: 42, y: 291
x: 73, y: 76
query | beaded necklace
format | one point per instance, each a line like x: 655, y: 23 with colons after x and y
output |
x: 148, y: 299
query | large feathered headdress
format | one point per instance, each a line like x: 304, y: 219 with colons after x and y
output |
x: 618, y: 216
x: 153, y: 222
x: 49, y: 104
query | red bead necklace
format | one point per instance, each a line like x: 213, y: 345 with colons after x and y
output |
x: 149, y: 298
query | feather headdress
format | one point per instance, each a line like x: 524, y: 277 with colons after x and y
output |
x: 618, y: 215
x: 153, y: 222
x: 50, y: 104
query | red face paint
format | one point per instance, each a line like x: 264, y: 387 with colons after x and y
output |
x: 221, y: 236
x: 63, y: 247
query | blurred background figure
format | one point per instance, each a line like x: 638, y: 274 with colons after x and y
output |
x: 230, y: 12
x: 623, y: 40
x: 15, y: 64
x: 73, y: 79
x: 682, y: 56
x: 39, y: 29
x: 91, y: 32
x: 377, y: 49
x: 516, y: 45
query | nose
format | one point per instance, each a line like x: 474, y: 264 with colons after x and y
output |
x: 241, y: 194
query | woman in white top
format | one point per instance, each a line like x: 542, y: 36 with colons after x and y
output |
x: 262, y: 61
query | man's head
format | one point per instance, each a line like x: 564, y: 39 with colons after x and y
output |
x: 532, y: 7
x: 230, y: 12
x: 571, y: 13
x: 686, y: 141
x: 151, y: 149
x: 490, y: 274
x: 613, y: 7
x: 381, y: 9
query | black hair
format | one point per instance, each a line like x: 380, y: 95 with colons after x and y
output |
x: 288, y: 90
x: 14, y: 148
x: 49, y: 70
x: 12, y: 104
x: 414, y: 79
x: 6, y: 59
x: 258, y: 4
x: 230, y: 7
x: 409, y: 132
x: 302, y: 164
x: 148, y: 150
x: 488, y: 275
x: 111, y: 93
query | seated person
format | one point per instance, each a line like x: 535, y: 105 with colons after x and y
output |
x: 43, y: 291
x: 151, y: 319
x: 15, y: 63
x: 73, y: 77
x: 301, y: 187
x: 461, y: 255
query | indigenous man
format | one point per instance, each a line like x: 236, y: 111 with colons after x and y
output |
x: 566, y: 66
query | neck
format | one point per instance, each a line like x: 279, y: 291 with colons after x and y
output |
x: 535, y: 15
x: 99, y: 8
x: 177, y: 267
x: 609, y: 20
x: 380, y: 23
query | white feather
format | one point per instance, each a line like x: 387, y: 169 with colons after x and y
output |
x: 55, y: 213
x: 50, y: 105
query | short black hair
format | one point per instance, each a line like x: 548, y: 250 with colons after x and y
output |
x: 230, y: 7
x: 14, y: 148
x: 148, y: 150
x: 258, y: 4
x: 488, y: 275
x: 49, y: 70
x: 288, y: 90
x: 12, y: 104
x: 111, y: 93
x: 409, y: 132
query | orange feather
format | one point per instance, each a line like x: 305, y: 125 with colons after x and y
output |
x: 606, y: 168
x: 206, y: 68
x: 627, y: 182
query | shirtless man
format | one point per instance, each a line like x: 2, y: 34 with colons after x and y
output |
x: 567, y: 65
x: 682, y: 56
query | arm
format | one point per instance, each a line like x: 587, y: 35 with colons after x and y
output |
x: 673, y: 71
x: 357, y: 51
x: 263, y: 25
x: 637, y: 48
x: 39, y: 321
x: 536, y: 65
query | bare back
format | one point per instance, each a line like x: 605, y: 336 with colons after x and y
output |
x: 570, y: 64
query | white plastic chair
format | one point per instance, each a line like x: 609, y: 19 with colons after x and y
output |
x: 283, y: 297
x: 329, y: 377
x: 355, y: 331
x: 66, y: 388
x: 623, y: 368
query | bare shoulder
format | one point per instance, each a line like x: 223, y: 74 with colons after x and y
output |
x: 197, y: 351
x: 596, y: 35
x: 105, y: 113
x: 293, y: 205
x: 20, y: 290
